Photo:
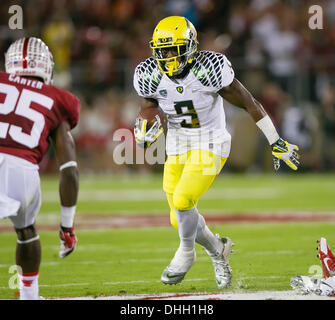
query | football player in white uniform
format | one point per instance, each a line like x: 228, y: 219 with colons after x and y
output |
x: 189, y: 86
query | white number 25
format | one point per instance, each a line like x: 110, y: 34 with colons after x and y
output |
x: 23, y: 109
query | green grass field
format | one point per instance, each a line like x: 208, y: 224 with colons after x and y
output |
x: 130, y: 260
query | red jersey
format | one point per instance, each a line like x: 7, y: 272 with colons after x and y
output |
x: 29, y: 112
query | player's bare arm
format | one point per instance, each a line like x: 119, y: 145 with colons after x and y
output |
x: 149, y: 103
x: 66, y: 156
x: 68, y: 185
x: 239, y: 96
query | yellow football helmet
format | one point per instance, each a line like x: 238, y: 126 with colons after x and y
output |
x: 177, y: 34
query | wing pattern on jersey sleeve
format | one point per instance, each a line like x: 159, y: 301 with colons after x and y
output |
x: 147, y: 78
x: 213, y: 69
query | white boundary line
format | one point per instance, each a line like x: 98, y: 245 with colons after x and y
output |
x: 260, y: 295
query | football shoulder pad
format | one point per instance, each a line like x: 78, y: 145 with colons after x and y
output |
x: 147, y: 77
x: 213, y: 69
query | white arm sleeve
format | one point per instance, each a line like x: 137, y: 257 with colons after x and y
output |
x: 269, y: 130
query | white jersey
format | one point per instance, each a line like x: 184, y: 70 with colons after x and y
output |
x: 192, y: 105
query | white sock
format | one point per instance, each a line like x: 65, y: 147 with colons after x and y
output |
x: 28, y: 286
x: 206, y: 238
x: 187, y: 227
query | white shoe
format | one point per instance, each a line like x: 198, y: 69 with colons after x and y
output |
x: 223, y: 272
x: 180, y: 264
x: 307, y: 285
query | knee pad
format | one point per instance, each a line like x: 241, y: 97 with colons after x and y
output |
x: 27, y: 234
x: 182, y: 202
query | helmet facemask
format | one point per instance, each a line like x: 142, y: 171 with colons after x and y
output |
x: 174, y: 65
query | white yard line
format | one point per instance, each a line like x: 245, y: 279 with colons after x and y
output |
x: 148, y: 260
x: 234, y: 295
x: 260, y: 295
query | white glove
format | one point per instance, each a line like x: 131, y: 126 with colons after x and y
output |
x: 142, y: 137
x: 282, y: 150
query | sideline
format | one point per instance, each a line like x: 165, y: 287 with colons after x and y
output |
x: 260, y: 295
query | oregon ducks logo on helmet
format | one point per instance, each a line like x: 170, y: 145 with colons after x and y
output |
x: 178, y: 35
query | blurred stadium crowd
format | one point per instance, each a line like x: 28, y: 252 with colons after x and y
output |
x: 287, y: 66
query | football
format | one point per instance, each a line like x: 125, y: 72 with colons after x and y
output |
x: 150, y: 113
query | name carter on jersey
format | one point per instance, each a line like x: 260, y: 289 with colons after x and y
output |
x: 28, y: 82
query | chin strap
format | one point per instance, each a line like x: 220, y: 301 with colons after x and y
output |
x: 172, y: 66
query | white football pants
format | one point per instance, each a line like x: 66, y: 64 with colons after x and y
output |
x: 19, y: 182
